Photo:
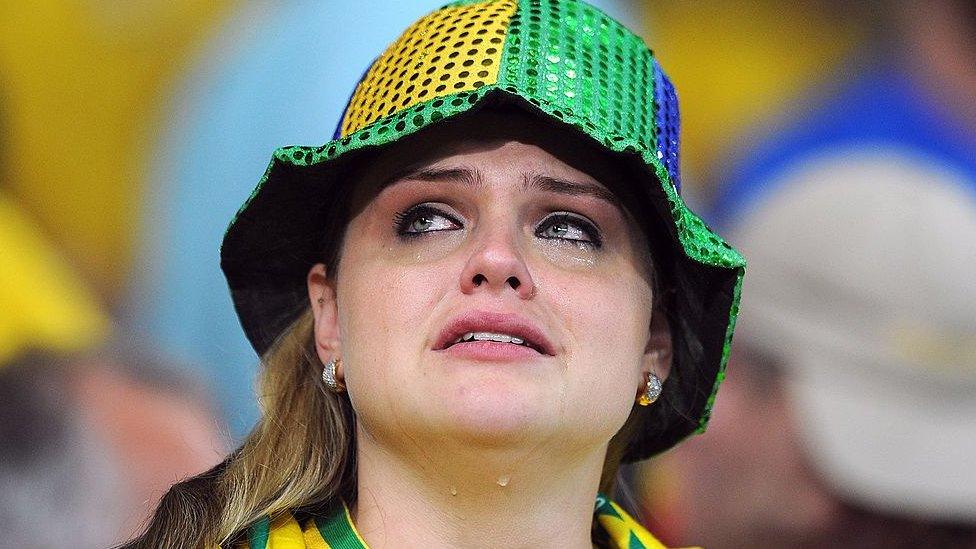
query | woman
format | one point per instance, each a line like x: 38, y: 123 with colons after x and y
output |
x: 467, y: 304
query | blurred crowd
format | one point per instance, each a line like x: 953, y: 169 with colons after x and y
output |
x: 833, y: 142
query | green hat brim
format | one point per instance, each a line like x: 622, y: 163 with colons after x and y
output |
x: 279, y: 233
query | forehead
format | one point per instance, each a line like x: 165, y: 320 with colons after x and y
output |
x: 501, y: 141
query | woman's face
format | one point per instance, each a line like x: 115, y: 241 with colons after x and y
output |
x: 491, y: 294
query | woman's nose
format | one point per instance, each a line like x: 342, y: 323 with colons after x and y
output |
x: 496, y: 265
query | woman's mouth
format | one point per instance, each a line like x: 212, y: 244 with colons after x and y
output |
x: 493, y: 336
x: 489, y: 336
x: 487, y: 350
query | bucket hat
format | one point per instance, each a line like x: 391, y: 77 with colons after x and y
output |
x: 563, y: 61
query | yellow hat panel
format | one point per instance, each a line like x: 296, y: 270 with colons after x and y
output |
x: 449, y: 51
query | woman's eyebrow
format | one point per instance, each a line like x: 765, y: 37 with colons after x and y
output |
x: 573, y: 188
x: 434, y: 174
x: 539, y: 182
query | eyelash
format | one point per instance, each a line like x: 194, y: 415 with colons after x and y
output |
x: 586, y: 227
x: 403, y: 220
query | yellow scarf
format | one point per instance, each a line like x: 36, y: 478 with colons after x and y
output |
x: 338, y: 531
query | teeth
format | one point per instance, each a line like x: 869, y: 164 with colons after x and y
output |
x: 490, y: 336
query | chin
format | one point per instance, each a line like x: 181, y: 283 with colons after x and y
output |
x: 496, y: 412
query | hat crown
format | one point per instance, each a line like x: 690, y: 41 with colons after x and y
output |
x: 566, y: 57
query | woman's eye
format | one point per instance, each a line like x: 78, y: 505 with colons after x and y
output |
x: 570, y: 227
x: 424, y: 219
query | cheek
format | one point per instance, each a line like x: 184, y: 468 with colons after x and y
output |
x: 607, y: 311
x: 607, y: 319
x: 383, y: 317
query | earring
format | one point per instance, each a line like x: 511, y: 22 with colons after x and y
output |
x: 652, y: 391
x: 329, y: 376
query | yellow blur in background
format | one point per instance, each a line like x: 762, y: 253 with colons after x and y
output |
x: 81, y: 84
x: 736, y: 64
x: 44, y: 303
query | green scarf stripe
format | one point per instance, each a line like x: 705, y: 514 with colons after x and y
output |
x: 604, y: 507
x: 337, y: 530
x: 259, y: 533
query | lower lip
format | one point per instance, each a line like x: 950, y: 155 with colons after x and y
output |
x: 491, y: 351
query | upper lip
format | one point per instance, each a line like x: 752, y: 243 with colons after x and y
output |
x: 487, y: 321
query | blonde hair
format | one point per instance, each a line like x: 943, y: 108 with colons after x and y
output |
x: 300, y: 455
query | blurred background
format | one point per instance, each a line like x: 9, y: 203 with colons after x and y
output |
x: 834, y: 141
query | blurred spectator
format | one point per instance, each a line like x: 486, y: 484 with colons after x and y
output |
x: 89, y: 444
x: 88, y: 440
x: 849, y: 415
x: 155, y: 420
x: 57, y: 485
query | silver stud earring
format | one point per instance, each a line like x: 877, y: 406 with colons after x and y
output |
x: 652, y: 391
x: 329, y: 376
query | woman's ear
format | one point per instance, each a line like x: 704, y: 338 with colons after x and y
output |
x: 322, y: 296
x: 659, y: 350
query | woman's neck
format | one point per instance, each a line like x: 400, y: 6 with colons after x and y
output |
x: 475, y: 498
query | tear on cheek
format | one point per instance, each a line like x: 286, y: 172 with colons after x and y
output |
x: 568, y: 256
x: 424, y: 249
